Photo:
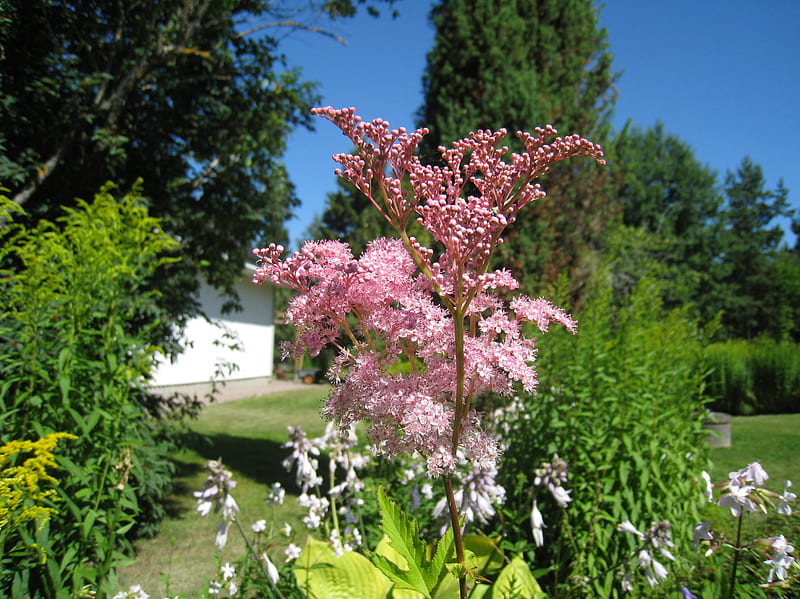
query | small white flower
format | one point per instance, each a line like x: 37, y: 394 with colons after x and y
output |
x: 738, y: 498
x: 134, y: 592
x: 292, y: 552
x: 780, y: 561
x: 537, y: 525
x: 628, y: 527
x: 426, y: 490
x: 752, y: 473
x: 221, y: 538
x: 406, y: 476
x: 228, y: 571
x: 259, y: 526
x: 214, y: 587
x: 276, y: 494
x: 701, y: 533
x: 784, y: 507
x: 272, y: 571
x: 287, y: 529
x: 709, y: 487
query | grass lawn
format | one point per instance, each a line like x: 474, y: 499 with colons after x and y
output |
x: 248, y: 435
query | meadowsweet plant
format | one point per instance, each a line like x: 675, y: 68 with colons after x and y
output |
x: 421, y: 332
x: 744, y: 493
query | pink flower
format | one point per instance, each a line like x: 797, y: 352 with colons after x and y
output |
x: 407, y: 363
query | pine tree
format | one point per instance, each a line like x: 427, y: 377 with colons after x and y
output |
x: 747, y: 284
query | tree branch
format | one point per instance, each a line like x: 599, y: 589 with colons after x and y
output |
x: 295, y: 25
x: 42, y: 174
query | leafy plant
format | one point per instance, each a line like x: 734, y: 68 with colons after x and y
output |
x: 416, y: 570
x: 754, y: 377
x: 621, y: 403
x: 75, y: 359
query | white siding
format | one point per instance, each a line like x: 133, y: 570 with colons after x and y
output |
x: 254, y: 335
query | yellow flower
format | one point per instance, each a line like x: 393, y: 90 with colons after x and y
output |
x: 22, y: 497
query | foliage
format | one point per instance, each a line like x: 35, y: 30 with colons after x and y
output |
x: 745, y: 277
x: 25, y: 505
x: 621, y: 402
x: 401, y: 565
x: 415, y: 569
x: 668, y: 196
x: 75, y: 358
x: 755, y: 377
x: 516, y: 64
x: 194, y: 98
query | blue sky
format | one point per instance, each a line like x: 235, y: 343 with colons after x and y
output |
x: 723, y: 76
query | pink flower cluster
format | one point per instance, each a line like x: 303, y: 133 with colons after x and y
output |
x: 420, y: 334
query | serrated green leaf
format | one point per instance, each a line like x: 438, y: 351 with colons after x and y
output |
x: 403, y: 535
x: 515, y: 581
x: 488, y: 556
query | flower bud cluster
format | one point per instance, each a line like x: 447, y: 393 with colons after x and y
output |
x: 553, y: 475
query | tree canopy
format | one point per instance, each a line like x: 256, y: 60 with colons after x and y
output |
x: 194, y: 98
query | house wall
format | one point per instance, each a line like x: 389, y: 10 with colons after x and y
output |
x: 253, y: 333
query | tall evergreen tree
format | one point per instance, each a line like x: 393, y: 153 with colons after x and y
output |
x: 520, y: 64
x: 746, y: 279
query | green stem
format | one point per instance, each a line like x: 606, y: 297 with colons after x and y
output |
x: 455, y: 522
x: 260, y: 563
x: 460, y: 409
x: 736, y: 549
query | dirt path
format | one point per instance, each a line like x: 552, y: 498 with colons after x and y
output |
x: 238, y: 389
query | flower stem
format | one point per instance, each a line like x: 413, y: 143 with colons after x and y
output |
x: 455, y: 522
x: 736, y: 549
x: 254, y: 553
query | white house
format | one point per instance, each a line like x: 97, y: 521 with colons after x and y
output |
x: 244, y: 338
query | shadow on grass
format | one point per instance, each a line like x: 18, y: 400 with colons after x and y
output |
x: 260, y: 460
x: 176, y: 505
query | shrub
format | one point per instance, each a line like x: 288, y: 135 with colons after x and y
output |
x: 754, y: 377
x: 621, y: 402
x: 74, y: 357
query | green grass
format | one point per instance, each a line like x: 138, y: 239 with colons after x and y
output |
x: 247, y: 435
x: 773, y: 440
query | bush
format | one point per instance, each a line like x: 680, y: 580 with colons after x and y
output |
x: 621, y: 402
x: 75, y: 358
x: 754, y: 377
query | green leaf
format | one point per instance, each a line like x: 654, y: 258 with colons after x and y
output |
x: 488, y: 555
x: 415, y: 571
x: 323, y: 575
x: 516, y: 582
